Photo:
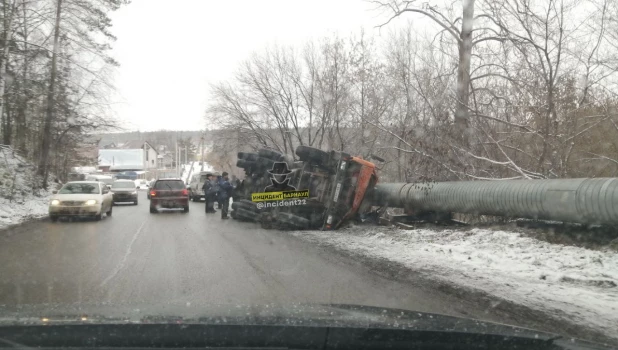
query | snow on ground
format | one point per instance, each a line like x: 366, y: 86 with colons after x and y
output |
x: 576, y: 284
x: 19, y: 201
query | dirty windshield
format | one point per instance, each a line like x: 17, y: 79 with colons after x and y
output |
x: 439, y: 165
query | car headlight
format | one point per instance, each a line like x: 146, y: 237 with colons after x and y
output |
x: 91, y: 202
x: 55, y: 202
x: 134, y: 192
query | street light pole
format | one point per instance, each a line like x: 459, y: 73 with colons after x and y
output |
x: 177, y: 159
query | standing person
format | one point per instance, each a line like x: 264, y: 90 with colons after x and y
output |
x: 216, y: 182
x: 208, y: 189
x: 225, y: 192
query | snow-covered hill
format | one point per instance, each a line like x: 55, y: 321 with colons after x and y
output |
x: 20, y: 197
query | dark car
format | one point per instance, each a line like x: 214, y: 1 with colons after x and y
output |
x: 124, y: 191
x: 169, y: 194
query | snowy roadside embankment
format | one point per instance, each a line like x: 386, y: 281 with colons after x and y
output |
x: 19, y: 198
x: 577, y: 284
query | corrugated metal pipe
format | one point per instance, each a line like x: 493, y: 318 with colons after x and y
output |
x: 585, y: 201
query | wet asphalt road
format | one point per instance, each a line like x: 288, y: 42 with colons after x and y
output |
x: 138, y: 258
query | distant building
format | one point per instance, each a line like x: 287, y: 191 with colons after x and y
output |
x: 165, y: 160
x: 128, y: 156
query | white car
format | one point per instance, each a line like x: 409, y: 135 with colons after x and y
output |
x: 142, y: 184
x: 81, y: 198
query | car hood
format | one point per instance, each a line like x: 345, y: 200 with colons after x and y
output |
x: 301, y: 315
x: 331, y: 315
x: 76, y: 197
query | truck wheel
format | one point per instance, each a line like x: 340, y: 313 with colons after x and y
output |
x: 53, y: 218
x: 270, y: 154
x: 245, y: 215
x: 264, y: 163
x: 293, y: 221
x: 247, y: 156
x: 297, y: 165
x: 306, y: 153
x: 245, y: 206
x: 245, y: 164
x: 153, y: 210
x: 249, y: 205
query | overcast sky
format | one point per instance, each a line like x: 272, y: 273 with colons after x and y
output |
x: 170, y: 51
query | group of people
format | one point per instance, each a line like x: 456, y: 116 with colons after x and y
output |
x: 218, y: 189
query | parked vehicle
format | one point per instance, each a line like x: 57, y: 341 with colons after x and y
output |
x: 76, y: 177
x: 127, y: 175
x: 106, y: 179
x: 169, y: 194
x: 81, y: 198
x: 124, y: 191
x: 196, y: 183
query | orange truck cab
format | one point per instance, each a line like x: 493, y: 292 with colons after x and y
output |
x: 353, y: 178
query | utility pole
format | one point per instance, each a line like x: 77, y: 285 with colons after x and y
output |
x: 202, y: 150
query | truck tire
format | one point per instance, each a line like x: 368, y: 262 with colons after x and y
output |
x: 248, y: 205
x: 247, y: 156
x: 311, y: 154
x: 245, y: 206
x: 270, y: 154
x: 293, y: 221
x: 244, y: 215
x: 264, y: 163
x: 297, y: 165
x: 245, y: 164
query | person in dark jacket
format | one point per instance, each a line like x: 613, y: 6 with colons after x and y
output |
x: 225, y: 192
x: 209, y: 195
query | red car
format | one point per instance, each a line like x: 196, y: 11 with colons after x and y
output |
x: 169, y: 194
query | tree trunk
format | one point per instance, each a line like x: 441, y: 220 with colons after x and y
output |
x: 7, y: 23
x: 463, y: 71
x: 8, y: 125
x: 49, y: 111
x: 20, y: 119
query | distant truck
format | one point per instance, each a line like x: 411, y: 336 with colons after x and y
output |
x: 338, y: 184
x: 126, y: 175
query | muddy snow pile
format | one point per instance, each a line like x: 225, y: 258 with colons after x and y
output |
x: 20, y: 197
x: 576, y: 284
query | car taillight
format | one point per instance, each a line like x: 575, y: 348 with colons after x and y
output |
x: 185, y: 192
x: 153, y: 193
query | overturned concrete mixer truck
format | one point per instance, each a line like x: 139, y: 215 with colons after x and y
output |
x: 323, y: 190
